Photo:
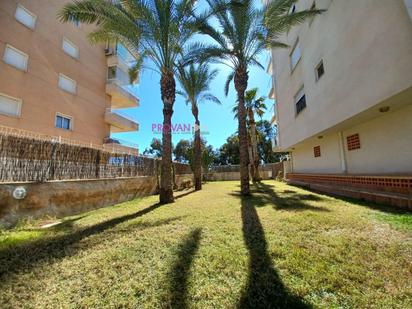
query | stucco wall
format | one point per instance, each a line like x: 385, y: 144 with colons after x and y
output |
x: 62, y: 198
x: 329, y: 161
x: 38, y: 87
x: 386, y: 148
x: 366, y: 47
x: 225, y: 176
x: 386, y: 145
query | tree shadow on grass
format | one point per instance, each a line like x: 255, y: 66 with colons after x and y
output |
x: 23, y: 258
x: 180, y: 270
x: 190, y: 191
x: 264, y: 288
x: 264, y: 195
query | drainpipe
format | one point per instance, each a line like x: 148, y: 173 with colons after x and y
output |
x: 342, y: 153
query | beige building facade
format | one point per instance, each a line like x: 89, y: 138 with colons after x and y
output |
x: 54, y: 83
x: 343, y: 90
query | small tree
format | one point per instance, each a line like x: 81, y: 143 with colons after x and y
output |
x: 195, y: 81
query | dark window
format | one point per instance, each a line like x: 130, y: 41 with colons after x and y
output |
x: 320, y: 70
x: 316, y: 151
x: 293, y: 9
x: 63, y: 122
x: 301, y: 104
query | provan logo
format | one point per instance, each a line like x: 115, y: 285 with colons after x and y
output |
x: 179, y: 128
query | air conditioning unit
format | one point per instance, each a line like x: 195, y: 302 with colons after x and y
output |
x: 108, y: 51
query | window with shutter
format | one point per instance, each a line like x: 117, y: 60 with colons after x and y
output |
x: 10, y: 106
x: 25, y: 17
x: 16, y: 58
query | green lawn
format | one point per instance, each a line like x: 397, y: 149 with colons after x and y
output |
x: 284, y: 247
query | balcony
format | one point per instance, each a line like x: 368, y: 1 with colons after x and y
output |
x: 120, y: 121
x: 275, y: 143
x: 119, y: 60
x: 273, y: 120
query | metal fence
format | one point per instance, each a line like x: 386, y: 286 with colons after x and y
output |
x: 29, y: 159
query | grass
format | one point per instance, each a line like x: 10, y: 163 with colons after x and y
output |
x: 283, y: 247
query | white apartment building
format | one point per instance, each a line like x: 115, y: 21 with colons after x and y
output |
x: 343, y: 90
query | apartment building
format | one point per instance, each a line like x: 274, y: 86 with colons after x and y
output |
x: 54, y: 83
x: 343, y: 92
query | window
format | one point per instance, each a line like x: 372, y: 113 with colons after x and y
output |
x: 319, y: 70
x: 76, y: 22
x: 10, y: 106
x: 292, y: 9
x: 353, y: 142
x: 300, y: 101
x: 70, y: 48
x: 316, y: 151
x: 25, y: 17
x: 295, y: 56
x: 63, y: 122
x: 67, y: 84
x: 16, y: 58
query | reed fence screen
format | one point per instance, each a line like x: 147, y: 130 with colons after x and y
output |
x: 28, y: 159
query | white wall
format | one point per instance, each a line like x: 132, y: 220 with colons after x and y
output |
x: 366, y: 47
x: 304, y: 160
x: 386, y: 148
x: 386, y: 144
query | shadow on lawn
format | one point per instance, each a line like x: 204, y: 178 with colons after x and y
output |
x: 263, y: 194
x: 180, y: 270
x: 25, y: 257
x: 178, y: 196
x: 265, y: 288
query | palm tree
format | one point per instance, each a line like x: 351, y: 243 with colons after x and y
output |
x: 245, y: 32
x: 195, y: 81
x: 253, y: 106
x: 156, y: 30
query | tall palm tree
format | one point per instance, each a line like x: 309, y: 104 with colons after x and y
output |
x: 245, y: 32
x: 195, y: 81
x: 156, y: 30
x: 253, y: 106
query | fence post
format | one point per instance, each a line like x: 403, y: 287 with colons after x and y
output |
x: 52, y: 159
x: 97, y: 173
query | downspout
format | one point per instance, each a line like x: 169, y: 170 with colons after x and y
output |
x: 342, y: 153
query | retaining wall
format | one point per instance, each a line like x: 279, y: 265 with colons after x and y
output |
x: 63, y: 198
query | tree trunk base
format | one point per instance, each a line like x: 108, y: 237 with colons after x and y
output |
x: 198, y: 184
x: 165, y: 196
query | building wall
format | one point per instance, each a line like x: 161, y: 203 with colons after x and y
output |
x: 386, y: 145
x: 386, y: 148
x: 38, y: 87
x: 366, y: 47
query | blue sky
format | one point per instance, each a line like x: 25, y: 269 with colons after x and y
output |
x: 218, y: 119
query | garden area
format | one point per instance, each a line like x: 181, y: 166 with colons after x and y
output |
x: 281, y: 247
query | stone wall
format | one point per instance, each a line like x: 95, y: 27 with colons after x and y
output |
x: 63, y: 198
x: 224, y: 173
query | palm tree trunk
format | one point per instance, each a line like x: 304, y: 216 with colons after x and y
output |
x: 255, y: 160
x: 168, y: 90
x: 249, y: 148
x: 241, y: 79
x: 198, y: 159
x: 197, y: 162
